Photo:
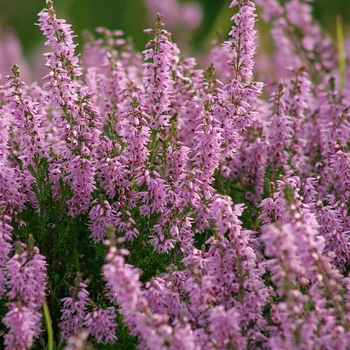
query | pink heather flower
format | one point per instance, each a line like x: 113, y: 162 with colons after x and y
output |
x: 136, y: 134
x: 188, y: 86
x: 79, y: 122
x: 319, y: 47
x: 277, y: 209
x: 296, y: 250
x: 23, y: 326
x: 248, y: 165
x: 152, y: 329
x: 107, y: 75
x: 60, y: 38
x: 302, y: 264
x: 81, y: 178
x: 208, y: 137
x: 279, y: 131
x: 221, y: 57
x: 242, y: 45
x: 115, y: 273
x: 152, y: 139
x: 26, y: 283
x: 125, y: 223
x: 224, y: 216
x: 238, y: 113
x: 162, y: 298
x: 234, y: 106
x: 177, y: 161
x: 5, y: 248
x: 224, y: 329
x: 112, y: 173
x: 157, y: 77
x: 286, y: 266
x: 28, y: 121
x: 27, y: 180
x: 334, y: 230
x: 239, y: 286
x: 101, y: 325
x: 26, y: 277
x: 200, y: 288
x: 189, y: 192
x: 100, y: 215
x: 298, y: 101
x: 155, y: 198
x: 335, y: 124
x: 333, y: 135
x: 309, y: 191
x: 183, y: 337
x: 310, y: 42
x: 11, y: 195
x: 339, y: 162
x: 74, y: 312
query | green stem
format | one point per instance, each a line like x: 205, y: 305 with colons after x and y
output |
x: 48, y: 326
x: 153, y: 146
x: 341, y: 51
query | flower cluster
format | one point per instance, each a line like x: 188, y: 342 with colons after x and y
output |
x: 26, y: 283
x: 177, y: 206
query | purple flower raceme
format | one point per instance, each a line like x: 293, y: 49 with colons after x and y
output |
x: 101, y: 215
x: 79, y: 121
x: 111, y: 170
x: 107, y: 74
x: 279, y: 131
x: 23, y: 326
x: 11, y: 196
x: 234, y: 265
x: 160, y: 151
x: 336, y: 151
x: 5, y: 248
x: 248, y: 167
x: 157, y: 78
x: 294, y: 101
x: 310, y: 46
x: 101, y: 325
x: 318, y: 47
x: 303, y: 275
x: 163, y: 296
x: 208, y: 135
x: 242, y: 45
x: 74, y: 312
x: 26, y: 277
x: 135, y: 132
x: 224, y: 329
x: 235, y: 103
x: 28, y: 121
x: 26, y: 282
x: 190, y: 93
x: 333, y: 227
x: 152, y: 328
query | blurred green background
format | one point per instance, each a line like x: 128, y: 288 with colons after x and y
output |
x: 132, y: 17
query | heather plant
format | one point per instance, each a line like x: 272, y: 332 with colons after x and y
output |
x: 148, y: 202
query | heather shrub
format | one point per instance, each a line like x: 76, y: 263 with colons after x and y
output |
x: 149, y: 201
